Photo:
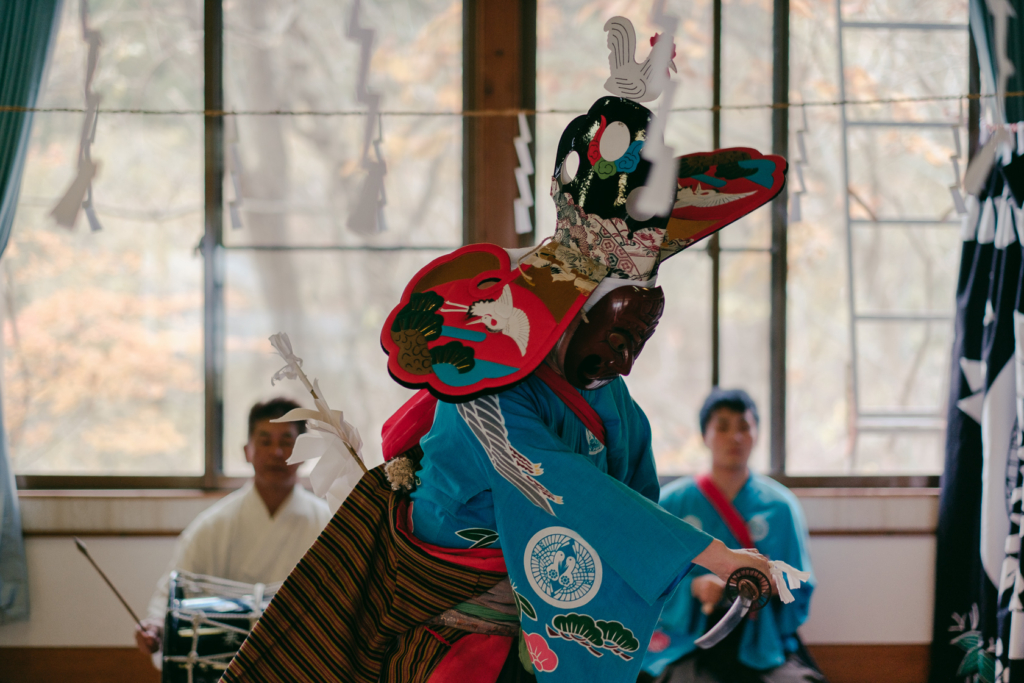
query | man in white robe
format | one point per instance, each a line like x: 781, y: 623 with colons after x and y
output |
x: 256, y: 534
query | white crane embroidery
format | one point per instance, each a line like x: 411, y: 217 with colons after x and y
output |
x: 705, y: 196
x: 628, y: 79
x: 497, y: 316
x: 561, y: 568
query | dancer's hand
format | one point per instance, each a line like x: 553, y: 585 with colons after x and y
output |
x: 722, y: 561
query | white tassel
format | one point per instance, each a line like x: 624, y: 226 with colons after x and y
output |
x: 794, y: 577
x: 336, y: 442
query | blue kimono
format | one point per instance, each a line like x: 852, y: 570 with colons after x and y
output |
x: 778, y: 529
x: 590, y: 555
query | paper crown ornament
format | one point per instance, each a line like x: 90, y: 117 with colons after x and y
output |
x: 478, y: 321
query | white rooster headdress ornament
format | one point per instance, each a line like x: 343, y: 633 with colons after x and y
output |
x: 630, y: 79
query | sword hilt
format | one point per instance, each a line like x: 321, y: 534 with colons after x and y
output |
x: 751, y: 584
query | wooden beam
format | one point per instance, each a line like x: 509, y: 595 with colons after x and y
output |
x: 872, y: 663
x: 212, y: 244
x: 839, y: 663
x: 499, y: 46
x: 779, y: 256
x: 79, y: 664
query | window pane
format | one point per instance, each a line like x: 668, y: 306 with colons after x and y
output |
x: 904, y: 366
x: 299, y: 178
x: 898, y: 173
x: 903, y: 271
x: 906, y: 268
x: 673, y: 375
x: 932, y: 11
x: 745, y: 310
x: 900, y: 452
x: 103, y: 331
x: 882, y: 63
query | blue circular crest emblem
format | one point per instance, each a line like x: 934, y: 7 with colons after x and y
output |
x: 758, y: 526
x: 562, y: 568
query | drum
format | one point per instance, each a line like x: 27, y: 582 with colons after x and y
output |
x: 207, y: 620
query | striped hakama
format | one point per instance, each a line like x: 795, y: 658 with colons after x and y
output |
x: 354, y: 607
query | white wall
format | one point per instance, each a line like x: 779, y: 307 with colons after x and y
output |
x: 871, y: 589
x: 71, y: 606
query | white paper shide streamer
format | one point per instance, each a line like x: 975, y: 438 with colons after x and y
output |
x: 521, y: 205
x: 795, y: 197
x: 330, y: 438
x: 954, y: 159
x: 367, y: 217
x: 786, y: 577
x: 234, y: 171
x: 79, y: 193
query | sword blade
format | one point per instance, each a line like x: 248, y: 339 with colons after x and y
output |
x: 725, y: 625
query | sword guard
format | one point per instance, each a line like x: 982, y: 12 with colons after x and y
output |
x: 750, y: 583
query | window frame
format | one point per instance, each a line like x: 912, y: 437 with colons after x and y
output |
x: 514, y: 64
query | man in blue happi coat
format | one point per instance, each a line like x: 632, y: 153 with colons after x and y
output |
x: 744, y: 509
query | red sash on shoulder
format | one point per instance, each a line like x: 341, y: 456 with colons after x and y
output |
x: 409, y: 424
x: 413, y: 420
x: 574, y: 401
x: 725, y: 509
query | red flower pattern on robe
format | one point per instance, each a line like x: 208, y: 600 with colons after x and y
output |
x: 541, y: 656
x: 659, y: 641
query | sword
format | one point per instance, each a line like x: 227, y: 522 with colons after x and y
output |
x: 750, y: 591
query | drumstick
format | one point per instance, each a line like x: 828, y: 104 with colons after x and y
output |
x: 85, y: 551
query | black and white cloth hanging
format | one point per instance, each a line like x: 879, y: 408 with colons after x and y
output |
x: 979, y: 622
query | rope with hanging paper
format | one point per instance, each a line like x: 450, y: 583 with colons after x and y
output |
x: 485, y: 113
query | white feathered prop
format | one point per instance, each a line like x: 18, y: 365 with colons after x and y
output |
x: 336, y: 442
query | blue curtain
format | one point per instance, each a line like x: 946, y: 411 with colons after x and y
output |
x: 28, y: 28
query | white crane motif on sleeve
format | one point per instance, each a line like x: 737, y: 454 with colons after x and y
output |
x: 629, y: 79
x: 483, y: 417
